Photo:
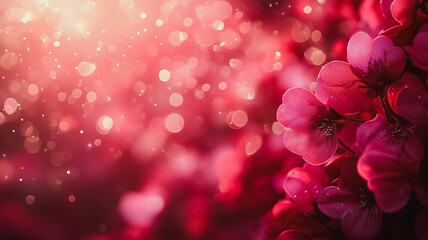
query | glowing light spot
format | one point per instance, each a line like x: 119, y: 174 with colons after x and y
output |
x: 300, y: 32
x: 104, y: 124
x: 218, y: 25
x: 10, y: 106
x: 62, y: 96
x: 140, y: 209
x: 8, y: 60
x: 315, y: 56
x: 222, y: 86
x: 176, y: 38
x: 52, y: 74
x: 63, y: 126
x: 229, y: 39
x: 235, y: 63
x: 307, y: 9
x: 32, y: 144
x: 28, y: 17
x: 188, y: 22
x: 86, y: 69
x: 176, y: 100
x: 30, y: 199
x: 33, y: 89
x: 277, y: 128
x: 77, y: 93
x: 206, y: 87
x: 316, y: 36
x: 239, y: 118
x: 174, y: 122
x: 143, y: 15
x: 253, y: 145
x: 91, y: 97
x: 71, y: 198
x: 164, y: 75
x: 159, y: 23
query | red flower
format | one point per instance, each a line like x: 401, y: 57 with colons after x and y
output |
x: 310, y: 129
x: 409, y: 98
x: 389, y: 176
x: 353, y: 203
x: 343, y: 86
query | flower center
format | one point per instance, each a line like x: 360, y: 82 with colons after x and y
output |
x: 400, y: 134
x: 325, y: 122
x: 374, y: 77
x: 328, y: 125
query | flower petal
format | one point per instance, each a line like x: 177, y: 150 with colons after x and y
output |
x: 389, y: 177
x: 361, y: 223
x: 359, y: 49
x: 334, y: 202
x: 338, y: 87
x: 314, y: 146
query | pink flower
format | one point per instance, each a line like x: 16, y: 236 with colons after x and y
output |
x: 353, y: 203
x: 344, y: 86
x: 310, y: 129
x: 409, y: 98
x: 419, y: 50
x: 401, y: 140
x: 304, y: 184
x: 389, y: 176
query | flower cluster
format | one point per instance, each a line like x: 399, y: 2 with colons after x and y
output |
x: 362, y: 133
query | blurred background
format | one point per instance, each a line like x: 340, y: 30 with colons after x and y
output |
x: 138, y: 119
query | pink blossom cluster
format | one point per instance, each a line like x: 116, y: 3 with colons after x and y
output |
x: 362, y: 132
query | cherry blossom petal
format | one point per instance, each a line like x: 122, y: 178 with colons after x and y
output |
x: 338, y: 87
x: 419, y: 50
x: 361, y: 223
x: 313, y: 146
x: 388, y: 176
x: 298, y: 107
x: 359, y: 51
x: 404, y: 10
x: 334, y: 202
x: 409, y: 98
